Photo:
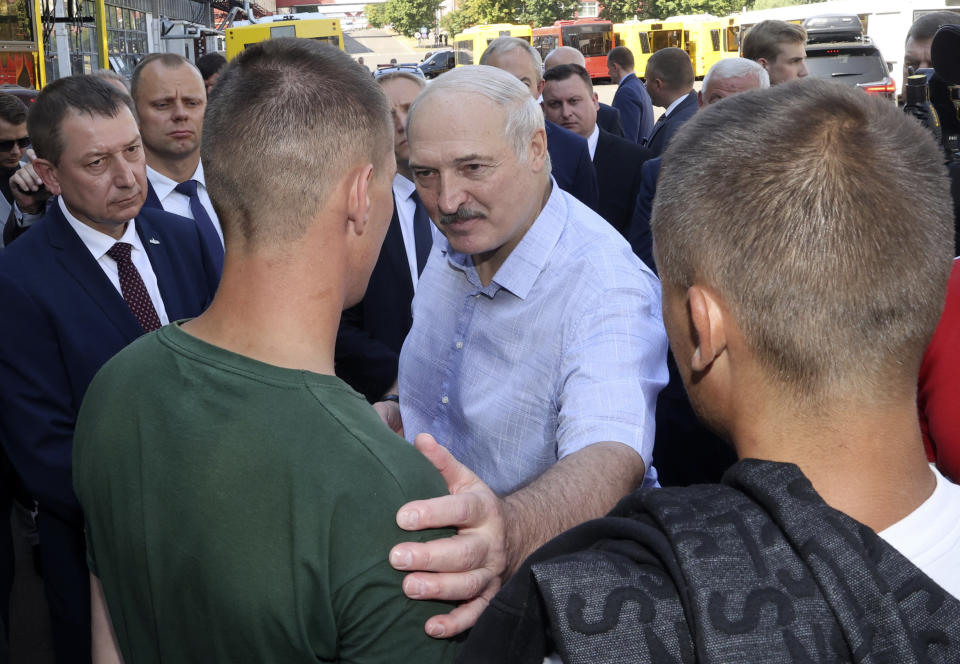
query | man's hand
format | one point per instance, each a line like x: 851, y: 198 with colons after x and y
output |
x: 389, y: 412
x: 466, y: 567
x: 27, y: 187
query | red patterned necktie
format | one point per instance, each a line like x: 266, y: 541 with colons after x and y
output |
x: 131, y: 285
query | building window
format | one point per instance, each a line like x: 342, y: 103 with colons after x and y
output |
x: 126, y: 38
x: 83, y: 41
x: 588, y: 10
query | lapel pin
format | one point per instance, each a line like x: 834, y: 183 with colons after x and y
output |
x: 154, y: 240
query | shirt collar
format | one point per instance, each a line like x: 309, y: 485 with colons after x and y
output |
x: 676, y: 102
x: 163, y: 185
x: 592, y: 141
x: 529, y: 258
x: 96, y: 242
x: 626, y: 78
x: 402, y: 187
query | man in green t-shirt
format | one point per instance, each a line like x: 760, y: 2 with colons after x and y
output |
x: 240, y: 499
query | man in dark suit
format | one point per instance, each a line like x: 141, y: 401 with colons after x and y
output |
x: 569, y: 100
x: 669, y: 80
x: 93, y: 275
x: 570, y: 160
x: 631, y: 99
x: 608, y: 117
x: 371, y: 332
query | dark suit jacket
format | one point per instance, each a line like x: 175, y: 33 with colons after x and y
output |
x: 641, y: 239
x: 371, y: 332
x: 618, y: 163
x: 608, y: 119
x: 572, y: 168
x: 665, y: 127
x: 61, y: 321
x: 636, y: 109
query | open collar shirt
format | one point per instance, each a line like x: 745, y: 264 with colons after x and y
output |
x: 564, y: 348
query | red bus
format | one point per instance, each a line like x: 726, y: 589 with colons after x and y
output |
x: 590, y: 36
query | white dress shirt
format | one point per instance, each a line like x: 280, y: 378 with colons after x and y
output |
x: 402, y: 191
x: 676, y: 102
x: 592, y: 141
x: 98, y: 244
x: 177, y: 203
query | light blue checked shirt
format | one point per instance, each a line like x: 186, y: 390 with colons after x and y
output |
x: 564, y: 348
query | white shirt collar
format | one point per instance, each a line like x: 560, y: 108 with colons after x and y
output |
x: 402, y: 187
x: 592, y: 141
x: 96, y: 242
x: 163, y: 185
x: 676, y: 102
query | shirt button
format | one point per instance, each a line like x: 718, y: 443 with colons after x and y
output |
x: 445, y: 399
x: 459, y: 345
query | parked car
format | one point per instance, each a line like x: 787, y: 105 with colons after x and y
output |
x: 408, y: 67
x: 837, y: 50
x: 26, y: 95
x: 437, y: 63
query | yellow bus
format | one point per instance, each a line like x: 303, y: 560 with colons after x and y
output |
x: 21, y: 44
x: 470, y: 44
x: 321, y: 29
x: 708, y: 40
x: 644, y: 38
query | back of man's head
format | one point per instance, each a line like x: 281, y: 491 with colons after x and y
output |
x: 622, y: 57
x: 167, y: 60
x: 290, y: 117
x: 673, y: 67
x: 926, y: 26
x: 564, y: 55
x: 502, y: 45
x: 84, y: 95
x: 832, y: 251
x: 728, y: 68
x: 210, y: 64
x: 764, y: 39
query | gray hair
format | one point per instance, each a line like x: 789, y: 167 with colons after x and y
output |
x: 565, y: 50
x: 524, y: 116
x: 419, y: 81
x: 737, y: 68
x: 507, y: 44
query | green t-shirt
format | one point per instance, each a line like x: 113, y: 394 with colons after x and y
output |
x: 241, y: 512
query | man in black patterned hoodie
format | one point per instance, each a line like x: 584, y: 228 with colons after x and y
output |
x: 804, y: 235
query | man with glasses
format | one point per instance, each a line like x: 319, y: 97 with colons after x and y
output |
x: 16, y: 214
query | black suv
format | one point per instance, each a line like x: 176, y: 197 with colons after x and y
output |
x: 438, y: 63
x: 838, y: 51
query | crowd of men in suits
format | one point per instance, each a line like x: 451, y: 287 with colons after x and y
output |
x: 478, y: 257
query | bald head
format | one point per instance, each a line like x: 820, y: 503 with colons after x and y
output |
x: 565, y: 55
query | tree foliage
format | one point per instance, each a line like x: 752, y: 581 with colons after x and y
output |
x: 772, y: 4
x: 665, y: 8
x: 545, y: 12
x: 408, y: 16
x: 375, y: 15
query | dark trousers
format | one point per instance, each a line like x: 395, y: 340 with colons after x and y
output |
x: 66, y: 582
x: 7, y: 554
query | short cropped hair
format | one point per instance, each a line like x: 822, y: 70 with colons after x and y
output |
x: 832, y: 250
x: 168, y: 60
x: 622, y: 56
x: 507, y: 44
x: 564, y: 50
x: 673, y: 67
x: 289, y: 118
x: 737, y: 68
x: 110, y: 75
x: 419, y: 81
x: 764, y: 39
x: 82, y: 95
x: 926, y: 26
x: 12, y: 110
x: 210, y: 64
x: 563, y: 72
x: 524, y: 115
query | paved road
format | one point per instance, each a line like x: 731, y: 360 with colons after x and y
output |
x: 379, y: 46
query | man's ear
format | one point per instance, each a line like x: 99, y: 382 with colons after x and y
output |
x: 708, y: 320
x: 538, y: 149
x: 596, y: 101
x: 699, y: 98
x: 540, y: 87
x: 48, y: 173
x: 763, y: 62
x: 358, y: 198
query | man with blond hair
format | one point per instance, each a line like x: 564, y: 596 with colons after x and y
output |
x: 779, y: 47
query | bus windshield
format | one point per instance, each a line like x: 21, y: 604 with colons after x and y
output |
x: 591, y: 40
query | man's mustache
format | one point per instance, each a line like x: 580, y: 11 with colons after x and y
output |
x: 462, y: 214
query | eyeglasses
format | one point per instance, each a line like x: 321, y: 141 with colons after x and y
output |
x: 22, y: 143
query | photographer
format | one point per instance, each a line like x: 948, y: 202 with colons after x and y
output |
x: 16, y: 208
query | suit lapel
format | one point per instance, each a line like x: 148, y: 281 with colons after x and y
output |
x: 77, y: 261
x: 158, y: 253
x: 153, y: 201
x: 395, y: 252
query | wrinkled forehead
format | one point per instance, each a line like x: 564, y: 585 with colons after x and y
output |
x: 725, y: 87
x: 446, y: 126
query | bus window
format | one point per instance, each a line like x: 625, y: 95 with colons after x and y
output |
x: 15, y: 23
x: 545, y: 44
x: 282, y: 31
x: 644, y: 42
x: 333, y: 40
x: 715, y: 39
x: 591, y: 40
x: 464, y: 52
x: 733, y: 39
x: 665, y: 39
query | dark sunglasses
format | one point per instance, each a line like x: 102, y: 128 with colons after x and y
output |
x: 23, y: 143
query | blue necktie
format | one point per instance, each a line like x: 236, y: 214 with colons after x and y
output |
x: 207, y: 230
x: 422, y: 235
